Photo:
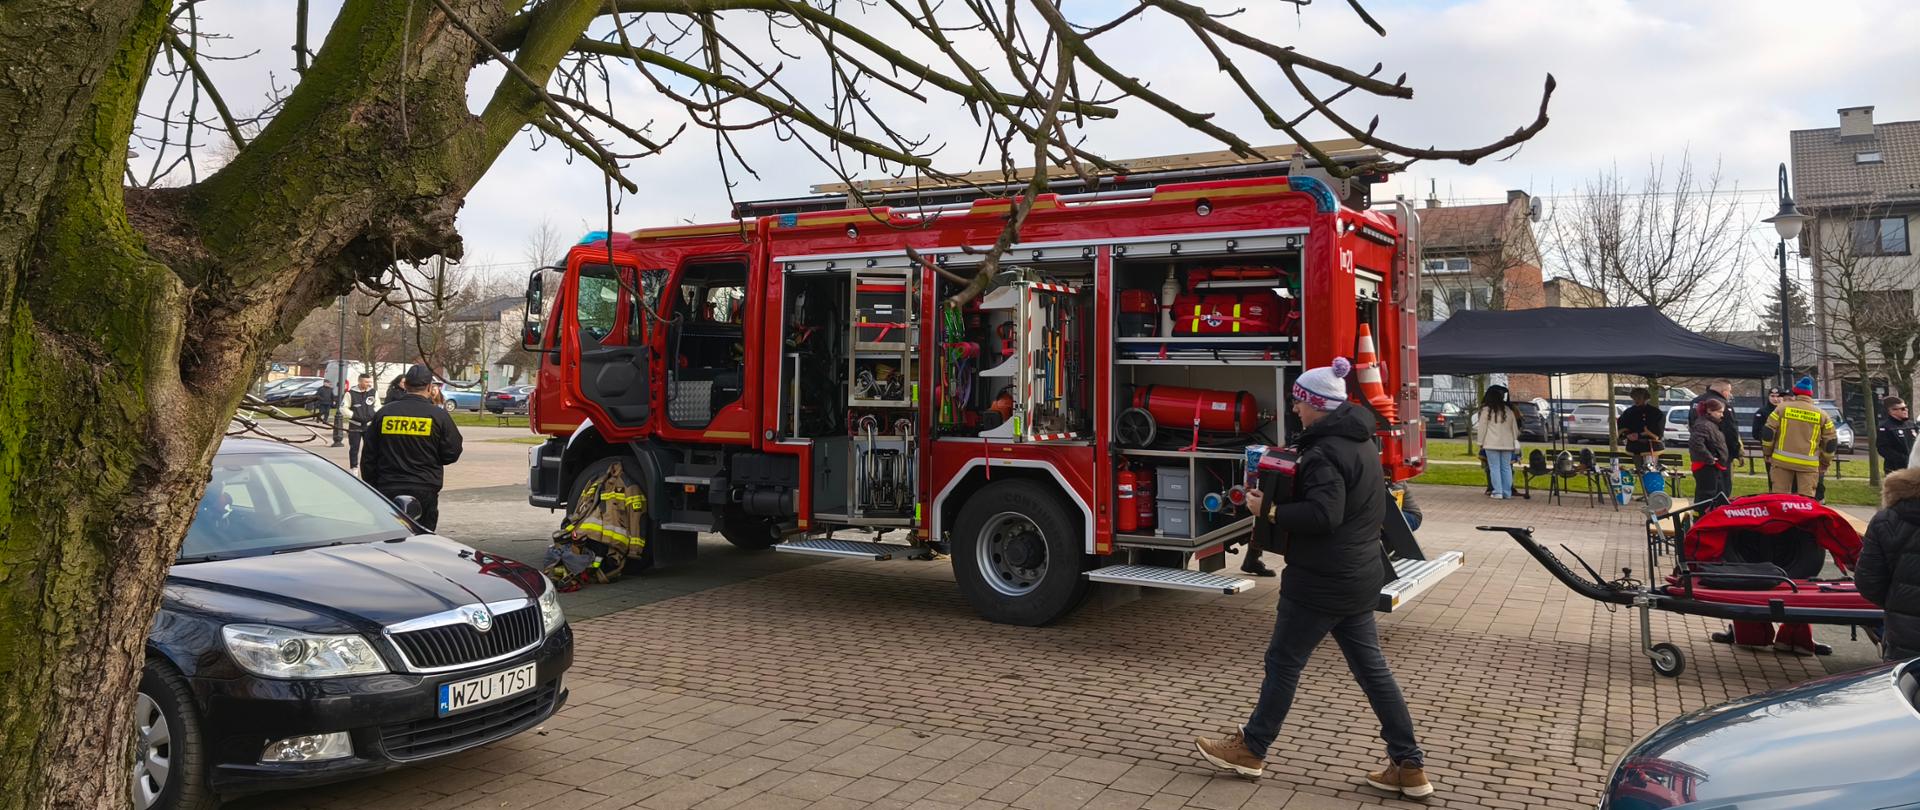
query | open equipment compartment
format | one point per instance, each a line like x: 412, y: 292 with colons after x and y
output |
x: 1206, y: 345
x: 1016, y: 363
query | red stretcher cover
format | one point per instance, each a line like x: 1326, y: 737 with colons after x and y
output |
x: 1773, y: 514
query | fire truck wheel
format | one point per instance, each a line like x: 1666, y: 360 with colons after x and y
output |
x: 749, y: 532
x: 592, y: 472
x: 1016, y: 555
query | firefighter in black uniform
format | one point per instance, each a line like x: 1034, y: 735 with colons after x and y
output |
x: 408, y: 443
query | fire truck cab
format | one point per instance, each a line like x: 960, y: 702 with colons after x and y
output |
x: 814, y: 382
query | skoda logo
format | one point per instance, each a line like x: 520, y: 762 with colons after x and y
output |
x: 480, y: 619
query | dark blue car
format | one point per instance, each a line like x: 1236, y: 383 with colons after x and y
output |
x: 1847, y: 741
x: 309, y: 632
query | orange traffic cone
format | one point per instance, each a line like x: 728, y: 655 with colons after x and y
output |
x: 1371, y: 384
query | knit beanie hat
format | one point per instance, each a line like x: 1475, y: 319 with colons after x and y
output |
x: 1324, y: 388
x: 1804, y: 386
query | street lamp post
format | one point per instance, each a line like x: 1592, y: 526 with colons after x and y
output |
x: 1787, y: 224
x: 340, y: 371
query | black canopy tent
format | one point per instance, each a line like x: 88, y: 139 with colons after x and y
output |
x: 1598, y: 340
x: 1595, y: 340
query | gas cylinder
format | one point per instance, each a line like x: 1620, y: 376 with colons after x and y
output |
x: 1126, y: 515
x: 1143, y: 496
x: 1176, y: 409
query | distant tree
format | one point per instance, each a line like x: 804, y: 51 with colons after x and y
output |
x: 1867, y: 307
x: 1674, y: 240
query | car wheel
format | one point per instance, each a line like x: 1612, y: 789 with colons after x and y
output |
x: 169, y: 766
x: 1017, y: 556
x: 599, y: 468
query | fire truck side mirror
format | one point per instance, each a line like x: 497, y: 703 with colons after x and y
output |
x: 533, y: 316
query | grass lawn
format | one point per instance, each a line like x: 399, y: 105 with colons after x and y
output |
x: 530, y: 439
x: 1850, y: 490
x: 488, y: 419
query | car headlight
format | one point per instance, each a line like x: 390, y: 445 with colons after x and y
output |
x: 276, y: 652
x: 550, y: 608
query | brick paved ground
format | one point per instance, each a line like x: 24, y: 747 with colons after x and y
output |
x: 856, y: 684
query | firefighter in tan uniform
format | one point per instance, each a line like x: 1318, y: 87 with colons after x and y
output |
x: 1800, y: 444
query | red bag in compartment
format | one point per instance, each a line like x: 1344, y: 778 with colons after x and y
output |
x: 1248, y: 312
x: 1198, y: 275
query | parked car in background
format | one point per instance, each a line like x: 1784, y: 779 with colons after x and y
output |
x: 309, y: 632
x: 1679, y: 428
x: 1842, y: 741
x: 1444, y: 419
x: 1590, y: 424
x: 1843, y: 430
x: 297, y: 395
x: 1536, y: 423
x: 511, y: 399
x: 462, y: 399
x: 285, y: 383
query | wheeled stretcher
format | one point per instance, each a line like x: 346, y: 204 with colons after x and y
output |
x: 1707, y: 580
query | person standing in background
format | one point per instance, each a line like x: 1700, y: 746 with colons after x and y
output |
x: 409, y: 445
x: 1800, y: 444
x: 324, y: 402
x: 1895, y: 438
x: 1760, y: 434
x: 360, y: 408
x: 1707, y: 448
x: 1643, y: 428
x: 1497, y: 424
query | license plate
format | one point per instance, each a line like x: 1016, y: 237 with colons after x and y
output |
x: 459, y: 696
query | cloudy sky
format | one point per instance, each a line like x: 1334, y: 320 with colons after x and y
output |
x: 1723, y: 80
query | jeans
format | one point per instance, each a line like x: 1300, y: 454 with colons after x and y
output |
x: 1296, y: 631
x: 1500, y: 471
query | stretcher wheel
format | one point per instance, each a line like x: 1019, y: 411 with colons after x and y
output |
x: 1667, y: 659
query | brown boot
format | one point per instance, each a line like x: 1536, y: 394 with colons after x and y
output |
x: 1230, y: 753
x: 1396, y: 779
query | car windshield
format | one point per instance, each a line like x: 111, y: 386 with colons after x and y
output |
x: 264, y: 503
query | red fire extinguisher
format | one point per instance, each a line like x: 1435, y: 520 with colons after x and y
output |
x: 1143, y: 496
x: 1126, y: 515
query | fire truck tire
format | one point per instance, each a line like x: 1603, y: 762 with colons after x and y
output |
x: 749, y: 532
x: 592, y: 472
x: 1017, y: 555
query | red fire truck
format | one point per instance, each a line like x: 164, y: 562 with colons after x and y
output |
x: 806, y: 382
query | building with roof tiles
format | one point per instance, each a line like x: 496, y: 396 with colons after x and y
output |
x: 1479, y: 257
x: 1860, y: 181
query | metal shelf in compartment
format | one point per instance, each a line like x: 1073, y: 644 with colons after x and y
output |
x: 1224, y: 534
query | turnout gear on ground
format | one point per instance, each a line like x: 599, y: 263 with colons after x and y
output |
x: 409, y: 442
x: 604, y: 528
x: 1888, y: 573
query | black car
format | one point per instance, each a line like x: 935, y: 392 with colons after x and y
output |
x: 296, y: 395
x: 1444, y: 419
x: 309, y: 632
x: 1841, y: 741
x: 1534, y: 423
x: 512, y: 398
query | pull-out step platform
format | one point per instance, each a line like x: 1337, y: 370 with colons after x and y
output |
x: 828, y: 547
x: 1414, y: 577
x: 1154, y: 576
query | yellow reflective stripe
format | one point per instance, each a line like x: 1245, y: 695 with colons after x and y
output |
x: 605, y: 533
x: 1236, y: 317
x: 1791, y: 457
x: 635, y: 501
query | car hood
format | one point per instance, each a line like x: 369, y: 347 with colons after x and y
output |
x: 1843, y: 741
x: 358, y: 587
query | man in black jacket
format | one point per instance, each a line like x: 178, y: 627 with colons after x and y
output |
x: 1895, y: 438
x: 1760, y: 432
x: 360, y: 408
x: 1324, y: 520
x: 1889, y: 570
x: 408, y: 445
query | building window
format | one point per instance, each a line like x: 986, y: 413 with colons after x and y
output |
x: 1882, y: 236
x: 1441, y: 266
x: 1867, y: 157
x: 1426, y: 307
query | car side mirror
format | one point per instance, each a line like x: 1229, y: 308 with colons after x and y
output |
x: 533, y: 315
x: 408, y: 504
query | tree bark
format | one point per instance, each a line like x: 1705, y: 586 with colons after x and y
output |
x: 132, y: 321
